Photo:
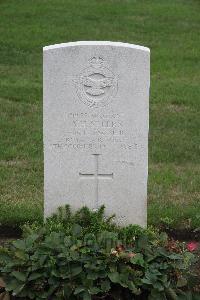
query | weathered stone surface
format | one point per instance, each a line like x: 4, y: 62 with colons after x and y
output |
x: 96, y: 107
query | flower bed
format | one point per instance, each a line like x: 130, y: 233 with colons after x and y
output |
x: 86, y: 256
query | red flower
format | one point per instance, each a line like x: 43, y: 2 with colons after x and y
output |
x: 192, y: 246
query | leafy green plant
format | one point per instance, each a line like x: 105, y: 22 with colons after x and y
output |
x: 92, y: 258
x: 64, y: 220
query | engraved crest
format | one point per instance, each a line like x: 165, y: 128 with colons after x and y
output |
x: 96, y: 85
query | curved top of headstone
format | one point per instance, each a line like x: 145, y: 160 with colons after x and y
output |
x: 95, y: 43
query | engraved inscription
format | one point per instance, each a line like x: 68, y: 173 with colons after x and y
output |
x: 96, y: 176
x: 96, y: 132
x: 96, y: 85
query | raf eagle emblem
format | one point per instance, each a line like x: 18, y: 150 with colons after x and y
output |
x: 96, y: 87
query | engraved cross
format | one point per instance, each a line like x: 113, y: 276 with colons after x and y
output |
x: 96, y: 176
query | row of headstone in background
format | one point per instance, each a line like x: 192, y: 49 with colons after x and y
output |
x: 96, y: 119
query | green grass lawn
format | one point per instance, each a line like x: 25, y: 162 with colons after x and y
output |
x: 170, y: 28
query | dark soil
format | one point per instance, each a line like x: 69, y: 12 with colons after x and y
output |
x: 183, y: 235
x: 10, y: 232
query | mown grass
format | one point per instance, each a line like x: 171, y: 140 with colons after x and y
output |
x: 170, y: 28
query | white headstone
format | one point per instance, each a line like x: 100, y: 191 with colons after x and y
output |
x: 96, y: 118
